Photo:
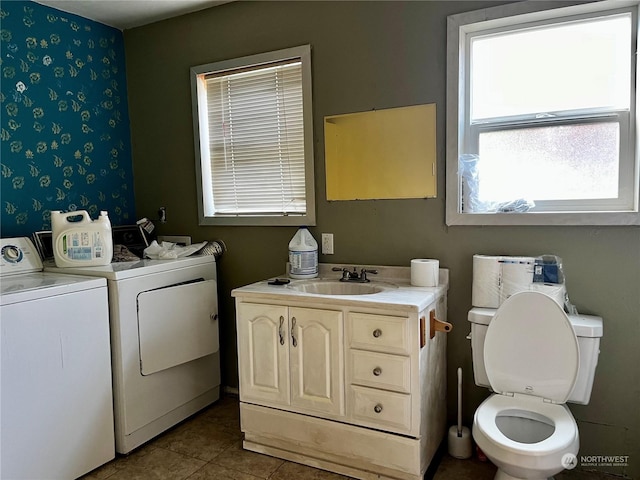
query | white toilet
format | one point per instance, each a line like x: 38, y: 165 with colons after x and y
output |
x: 535, y: 358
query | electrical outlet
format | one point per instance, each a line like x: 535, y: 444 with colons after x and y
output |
x: 327, y: 243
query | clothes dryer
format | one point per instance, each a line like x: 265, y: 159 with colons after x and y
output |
x: 164, y: 342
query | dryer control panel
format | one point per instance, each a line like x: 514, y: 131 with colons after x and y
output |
x: 18, y: 255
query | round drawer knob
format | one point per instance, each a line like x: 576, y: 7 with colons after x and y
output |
x: 377, y: 371
x: 377, y: 332
x: 377, y: 408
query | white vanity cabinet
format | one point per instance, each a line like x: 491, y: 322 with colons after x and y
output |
x: 353, y: 385
x: 291, y: 356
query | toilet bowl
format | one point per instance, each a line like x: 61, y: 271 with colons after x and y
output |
x: 531, y: 358
x: 525, y: 438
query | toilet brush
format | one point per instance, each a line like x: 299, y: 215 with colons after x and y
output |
x: 459, y: 436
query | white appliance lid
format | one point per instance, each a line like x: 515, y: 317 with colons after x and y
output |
x: 531, y: 348
x: 588, y: 326
x: 481, y: 315
x: 122, y: 270
x: 37, y: 285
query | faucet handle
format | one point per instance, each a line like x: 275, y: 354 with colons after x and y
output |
x: 345, y: 272
x: 363, y: 274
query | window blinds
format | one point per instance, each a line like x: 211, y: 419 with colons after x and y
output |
x: 256, y: 140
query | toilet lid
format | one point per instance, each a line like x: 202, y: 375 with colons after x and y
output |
x: 531, y: 348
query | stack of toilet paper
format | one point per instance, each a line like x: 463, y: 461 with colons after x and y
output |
x: 496, y: 278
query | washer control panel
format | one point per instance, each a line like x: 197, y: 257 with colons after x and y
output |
x: 18, y: 255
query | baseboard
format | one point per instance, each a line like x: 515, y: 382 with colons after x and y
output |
x: 227, y: 390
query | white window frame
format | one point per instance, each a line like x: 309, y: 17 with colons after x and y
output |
x: 458, y: 28
x: 203, y: 165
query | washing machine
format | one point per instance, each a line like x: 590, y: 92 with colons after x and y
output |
x: 164, y: 342
x: 56, y: 406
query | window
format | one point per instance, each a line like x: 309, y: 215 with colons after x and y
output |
x: 254, y: 139
x: 541, y: 115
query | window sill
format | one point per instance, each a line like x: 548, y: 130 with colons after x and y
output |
x: 265, y: 221
x: 547, y: 218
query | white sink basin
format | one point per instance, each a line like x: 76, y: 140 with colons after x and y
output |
x: 329, y: 287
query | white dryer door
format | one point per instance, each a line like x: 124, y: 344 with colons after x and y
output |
x: 177, y: 324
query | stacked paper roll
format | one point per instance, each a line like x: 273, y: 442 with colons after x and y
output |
x: 557, y: 291
x: 496, y: 278
x: 425, y: 272
x: 516, y: 275
x: 485, y: 291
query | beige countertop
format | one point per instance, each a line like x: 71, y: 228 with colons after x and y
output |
x: 395, y: 281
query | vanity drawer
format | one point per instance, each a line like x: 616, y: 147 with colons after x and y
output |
x: 385, y: 409
x: 380, y: 333
x: 380, y: 370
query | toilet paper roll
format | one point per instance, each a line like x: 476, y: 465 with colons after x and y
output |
x: 485, y: 290
x: 553, y: 290
x: 425, y: 272
x: 516, y: 275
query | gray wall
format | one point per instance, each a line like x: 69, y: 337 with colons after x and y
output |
x: 374, y: 55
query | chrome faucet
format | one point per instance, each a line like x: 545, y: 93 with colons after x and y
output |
x: 354, y: 276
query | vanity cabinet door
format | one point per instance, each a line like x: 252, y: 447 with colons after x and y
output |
x: 263, y: 344
x: 317, y: 361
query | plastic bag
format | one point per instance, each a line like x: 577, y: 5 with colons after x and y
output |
x: 169, y: 251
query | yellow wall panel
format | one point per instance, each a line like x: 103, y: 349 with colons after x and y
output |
x: 381, y: 154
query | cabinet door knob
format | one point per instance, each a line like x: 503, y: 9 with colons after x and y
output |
x: 377, y: 371
x: 377, y: 332
x: 377, y: 408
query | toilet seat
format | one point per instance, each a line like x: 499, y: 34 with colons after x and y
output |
x: 563, y: 436
x: 531, y: 348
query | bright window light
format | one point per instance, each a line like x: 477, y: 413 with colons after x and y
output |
x: 563, y: 67
x: 542, y: 116
x: 541, y: 163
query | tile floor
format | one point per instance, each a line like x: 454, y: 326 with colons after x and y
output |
x: 208, y: 446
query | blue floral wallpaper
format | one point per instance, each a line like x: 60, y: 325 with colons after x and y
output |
x: 65, y: 125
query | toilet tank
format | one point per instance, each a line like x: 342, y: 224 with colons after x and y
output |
x: 587, y: 328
